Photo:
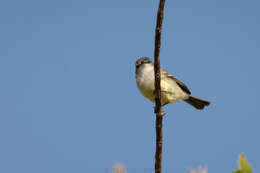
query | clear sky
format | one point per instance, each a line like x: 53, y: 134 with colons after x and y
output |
x: 69, y: 102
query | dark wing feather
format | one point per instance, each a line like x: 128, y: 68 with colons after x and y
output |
x: 180, y: 83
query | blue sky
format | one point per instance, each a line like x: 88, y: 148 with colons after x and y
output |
x: 69, y: 102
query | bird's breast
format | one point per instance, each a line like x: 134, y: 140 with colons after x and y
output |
x: 145, y: 81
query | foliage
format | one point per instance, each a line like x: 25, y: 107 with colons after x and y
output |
x: 244, y: 165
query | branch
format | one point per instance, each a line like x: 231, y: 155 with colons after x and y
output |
x: 158, y: 105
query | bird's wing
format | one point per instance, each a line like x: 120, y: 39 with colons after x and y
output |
x: 180, y: 83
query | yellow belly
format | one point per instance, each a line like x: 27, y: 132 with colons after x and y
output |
x: 170, y: 92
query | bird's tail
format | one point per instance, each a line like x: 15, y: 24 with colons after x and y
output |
x: 197, y: 102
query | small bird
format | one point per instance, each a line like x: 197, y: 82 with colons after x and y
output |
x: 172, y: 89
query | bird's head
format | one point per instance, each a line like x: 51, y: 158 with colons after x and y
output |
x: 141, y: 61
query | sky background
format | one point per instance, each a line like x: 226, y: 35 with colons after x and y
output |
x: 69, y: 101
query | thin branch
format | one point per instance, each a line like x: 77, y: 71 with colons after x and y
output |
x: 158, y: 105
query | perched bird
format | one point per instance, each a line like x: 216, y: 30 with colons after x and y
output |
x: 172, y: 89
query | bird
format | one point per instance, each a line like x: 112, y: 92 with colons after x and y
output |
x: 172, y: 89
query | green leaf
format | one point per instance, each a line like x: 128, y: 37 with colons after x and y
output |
x: 244, y: 165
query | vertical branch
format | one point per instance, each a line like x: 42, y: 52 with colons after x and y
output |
x: 158, y: 105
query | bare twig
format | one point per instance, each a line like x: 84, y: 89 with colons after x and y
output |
x: 158, y: 105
